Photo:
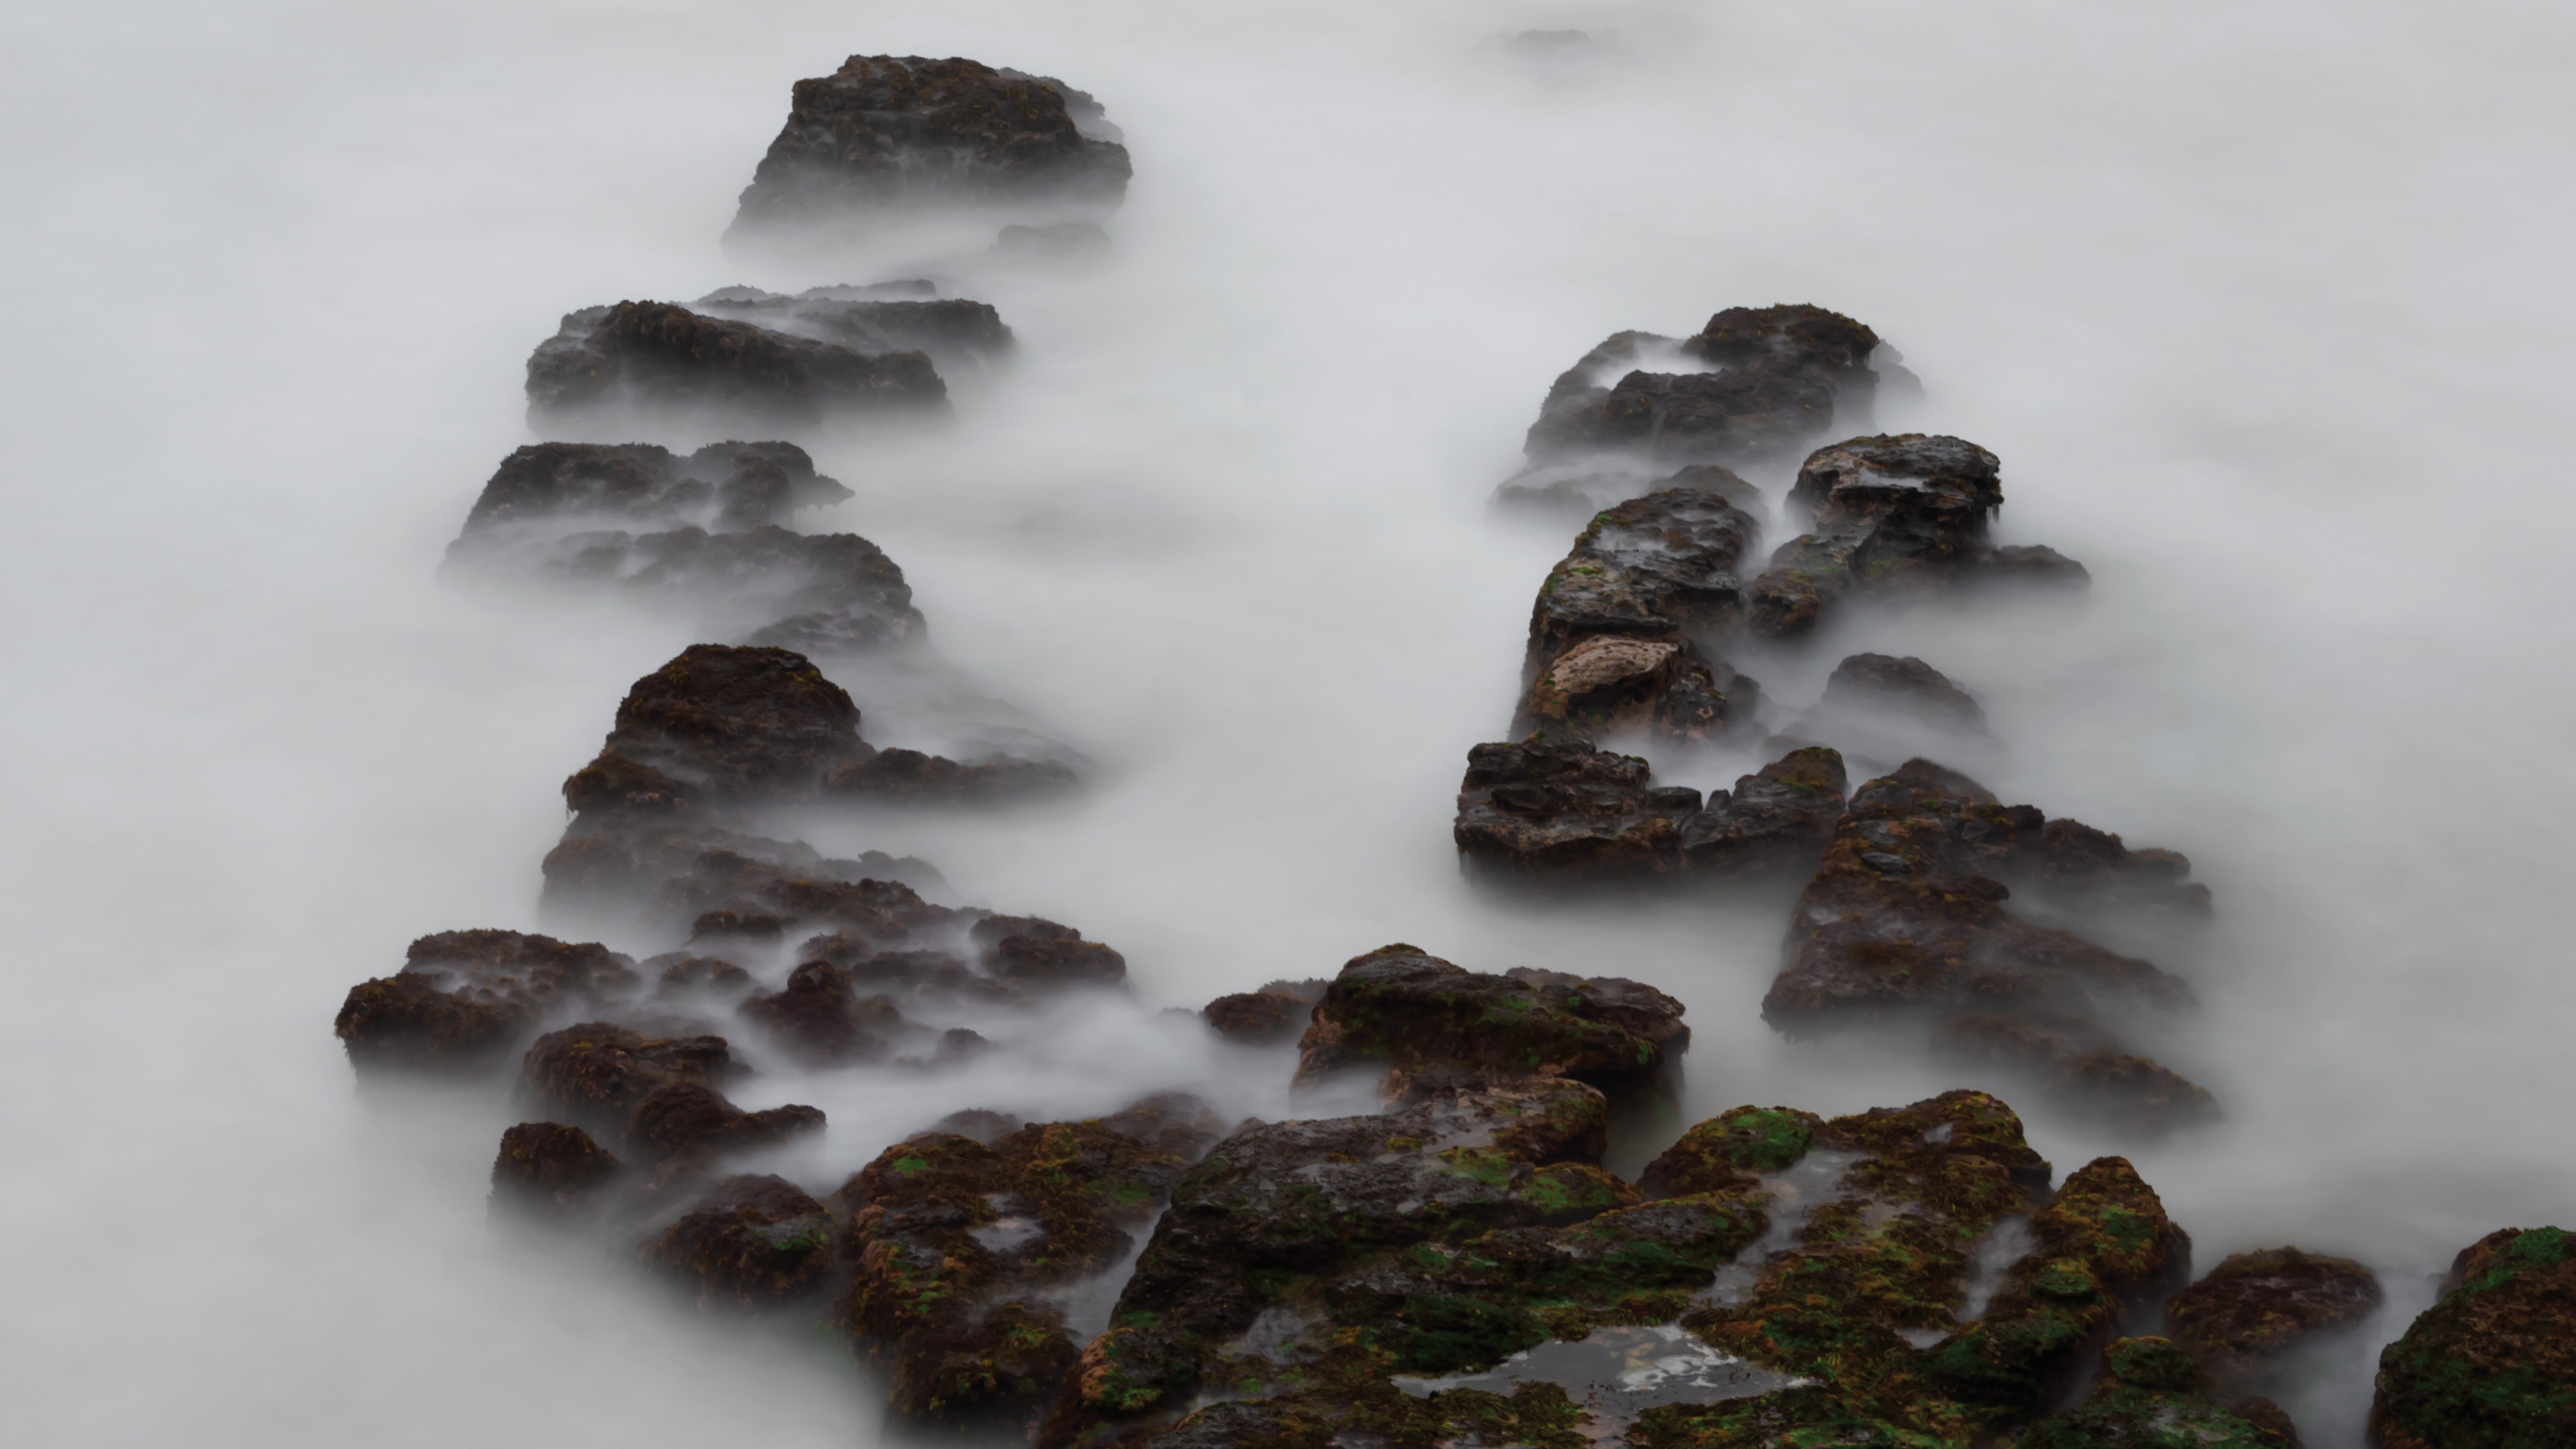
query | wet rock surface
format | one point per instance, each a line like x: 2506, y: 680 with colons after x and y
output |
x: 885, y: 135
x: 1406, y: 1012
x: 2237, y: 1321
x: 757, y: 1243
x: 2147, y: 1396
x: 468, y: 999
x: 1550, y: 813
x: 549, y: 1170
x: 647, y: 358
x: 1774, y: 823
x: 2493, y: 1364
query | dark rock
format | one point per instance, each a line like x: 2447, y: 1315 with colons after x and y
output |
x: 596, y: 1072
x: 1402, y: 1011
x: 1023, y: 949
x: 727, y: 487
x: 2493, y: 1364
x: 2148, y: 1397
x: 549, y: 1170
x: 723, y: 725
x: 958, y: 334
x: 2253, y: 1307
x: 1176, y: 1124
x: 982, y: 1124
x: 652, y: 359
x: 1729, y: 1152
x: 1895, y: 516
x: 467, y: 998
x: 1545, y: 812
x: 2082, y: 1064
x: 1775, y: 822
x: 757, y: 1243
x: 884, y: 135
x: 819, y: 1018
x: 1658, y: 567
x: 686, y: 1122
x: 683, y: 973
x: 679, y: 867
x: 1258, y: 1018
x: 909, y: 777
x: 1907, y: 687
x: 1780, y: 374
x: 833, y: 593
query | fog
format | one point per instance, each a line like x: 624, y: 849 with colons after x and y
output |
x: 2265, y: 310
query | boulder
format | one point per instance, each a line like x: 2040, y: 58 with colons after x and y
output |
x: 721, y: 725
x: 886, y: 135
x: 1401, y: 1011
x: 1774, y: 823
x: 683, y: 1124
x: 960, y: 336
x: 2239, y: 1318
x: 1561, y: 812
x: 1258, y: 1018
x: 2493, y: 1364
x: 756, y: 1243
x: 1892, y: 516
x: 2149, y: 1397
x: 552, y: 488
x: 821, y: 1018
x: 1659, y: 567
x: 657, y: 359
x: 1753, y: 385
x: 1906, y: 688
x: 594, y: 1073
x: 547, y: 1170
x: 467, y: 999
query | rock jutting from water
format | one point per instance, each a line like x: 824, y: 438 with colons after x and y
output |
x: 1754, y: 386
x: 889, y: 137
x: 637, y: 361
x: 2493, y: 1364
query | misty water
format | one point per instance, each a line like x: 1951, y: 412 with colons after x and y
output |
x: 2264, y: 308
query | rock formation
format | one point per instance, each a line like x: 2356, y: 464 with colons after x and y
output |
x: 2493, y: 1364
x: 611, y: 365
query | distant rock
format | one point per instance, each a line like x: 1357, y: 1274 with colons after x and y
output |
x: 822, y: 1019
x: 1907, y: 687
x: 660, y: 360
x: 2493, y: 1363
x: 1898, y: 517
x: 884, y: 136
x: 466, y: 999
x: 1774, y: 823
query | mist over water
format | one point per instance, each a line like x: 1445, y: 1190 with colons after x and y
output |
x: 2265, y: 312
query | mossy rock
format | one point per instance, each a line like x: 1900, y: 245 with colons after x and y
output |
x: 2493, y: 1364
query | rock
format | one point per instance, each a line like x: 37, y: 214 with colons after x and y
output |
x: 723, y: 486
x: 2253, y: 1307
x: 2148, y: 1397
x: 2493, y: 1364
x: 1025, y: 949
x: 1176, y: 1124
x: 757, y: 1243
x: 959, y: 335
x: 1753, y: 385
x: 1402, y: 1011
x: 982, y: 1124
x: 1258, y: 1018
x: 833, y: 593
x: 678, y: 867
x: 954, y: 1243
x: 820, y: 1018
x: 1907, y: 688
x: 683, y: 974
x: 1774, y: 823
x: 596, y: 1072
x: 683, y: 1123
x: 1729, y: 1152
x: 1658, y: 567
x: 1580, y: 488
x: 468, y: 998
x: 549, y: 1170
x: 1545, y: 812
x: 721, y: 725
x: 909, y: 777
x: 886, y: 135
x: 655, y: 359
x: 2082, y: 1064
x: 1905, y: 918
x: 1894, y: 516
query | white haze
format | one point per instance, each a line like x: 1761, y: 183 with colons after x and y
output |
x: 2264, y: 308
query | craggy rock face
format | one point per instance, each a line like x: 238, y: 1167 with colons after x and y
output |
x: 1774, y: 823
x: 1657, y: 567
x: 1905, y: 918
x: 958, y: 334
x: 1404, y: 1010
x: 1545, y: 812
x: 660, y: 357
x: 2254, y: 1306
x: 548, y: 1170
x: 2493, y: 1364
x: 954, y: 1244
x: 465, y: 999
x: 1756, y: 383
x: 2148, y: 1396
x: 757, y: 1243
x: 1900, y: 516
x: 884, y: 134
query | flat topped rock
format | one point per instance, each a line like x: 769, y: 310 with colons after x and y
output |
x: 659, y: 360
x: 1409, y: 1012
x: 958, y: 334
x: 886, y: 135
x: 728, y: 486
x: 2253, y: 1307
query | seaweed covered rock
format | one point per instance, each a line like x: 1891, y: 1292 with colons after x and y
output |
x: 1898, y: 516
x: 1754, y: 384
x: 659, y: 359
x: 1904, y: 918
x: 886, y: 135
x: 721, y: 725
x: 956, y: 1244
x: 959, y: 335
x: 1547, y: 811
x: 756, y: 1242
x: 595, y: 1072
x: 822, y: 1018
x: 2493, y: 1364
x: 466, y: 999
x: 2149, y: 1397
x: 683, y: 1124
x: 1406, y: 1012
x: 1774, y: 823
x: 550, y: 1170
x: 2253, y: 1307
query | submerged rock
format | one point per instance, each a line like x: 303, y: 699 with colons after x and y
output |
x: 1906, y: 687
x: 757, y: 1243
x: 2493, y: 1364
x: 1898, y: 517
x: 660, y: 359
x: 2237, y: 1321
x: 467, y: 999
x: 959, y: 335
x: 886, y: 135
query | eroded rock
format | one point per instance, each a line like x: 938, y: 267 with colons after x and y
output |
x: 548, y: 1170
x: 467, y: 999
x: 2493, y: 1364
x: 659, y: 359
x: 757, y: 1243
x: 1409, y: 1013
x: 1775, y: 822
x: 1561, y: 812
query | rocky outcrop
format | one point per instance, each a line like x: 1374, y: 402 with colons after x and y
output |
x: 1905, y: 919
x: 547, y: 1170
x: 2493, y: 1364
x: 1406, y: 1013
x: 723, y: 486
x: 1773, y: 824
x: 1548, y: 813
x: 595, y: 1072
x: 661, y: 360
x: 1899, y: 517
x: 757, y: 1243
x: 465, y: 1000
x: 961, y: 337
x: 2253, y: 1307
x: 1661, y: 567
x: 888, y: 135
